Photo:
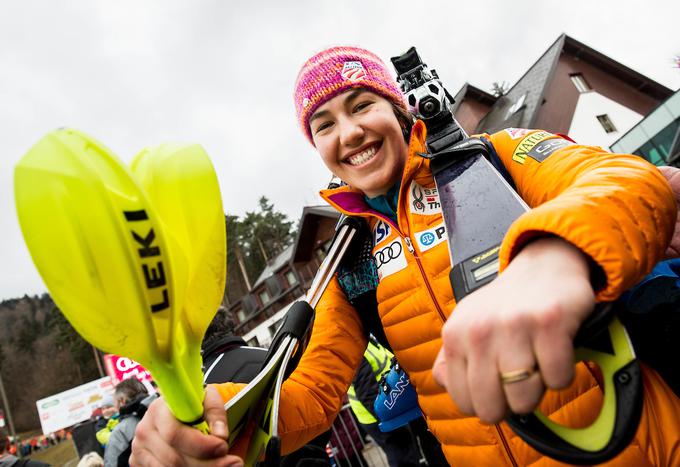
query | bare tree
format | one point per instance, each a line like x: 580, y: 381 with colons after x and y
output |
x: 499, y: 89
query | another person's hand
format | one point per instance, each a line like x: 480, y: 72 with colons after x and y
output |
x: 672, y: 175
x: 161, y: 440
x: 504, y: 343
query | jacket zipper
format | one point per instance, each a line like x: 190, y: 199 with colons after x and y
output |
x: 411, y: 249
x: 505, y: 444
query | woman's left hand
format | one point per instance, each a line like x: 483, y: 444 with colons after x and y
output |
x: 520, y: 329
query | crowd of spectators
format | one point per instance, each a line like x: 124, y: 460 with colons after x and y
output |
x: 27, y: 446
x: 114, y: 424
x: 12, y: 449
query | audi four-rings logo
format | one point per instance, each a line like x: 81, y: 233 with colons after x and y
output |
x: 387, y: 254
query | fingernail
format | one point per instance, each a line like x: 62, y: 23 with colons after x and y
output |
x: 237, y: 463
x: 219, y: 429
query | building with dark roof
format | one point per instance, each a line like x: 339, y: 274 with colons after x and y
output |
x: 285, y: 279
x: 470, y: 105
x: 571, y: 89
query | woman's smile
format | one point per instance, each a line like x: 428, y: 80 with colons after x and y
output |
x: 364, y: 155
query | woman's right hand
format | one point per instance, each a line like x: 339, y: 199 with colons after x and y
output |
x: 161, y: 440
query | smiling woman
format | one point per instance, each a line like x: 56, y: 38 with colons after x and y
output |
x: 498, y: 349
x: 360, y: 140
x: 353, y: 111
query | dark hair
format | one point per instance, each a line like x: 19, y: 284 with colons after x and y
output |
x: 405, y: 120
x: 221, y: 326
x: 129, y: 389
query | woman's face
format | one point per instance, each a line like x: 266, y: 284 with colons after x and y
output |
x: 360, y: 140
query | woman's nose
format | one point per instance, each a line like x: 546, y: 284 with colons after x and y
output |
x: 351, y: 133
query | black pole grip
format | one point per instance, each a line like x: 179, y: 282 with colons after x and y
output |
x: 295, y: 324
x: 594, y: 334
x: 628, y: 386
x: 297, y: 321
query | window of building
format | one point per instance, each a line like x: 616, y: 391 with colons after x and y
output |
x: 657, y: 149
x: 580, y: 82
x: 606, y: 123
x: 518, y: 105
x: 264, y: 297
x: 290, y: 278
x: 241, y: 315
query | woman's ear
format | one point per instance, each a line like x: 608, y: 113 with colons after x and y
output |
x: 406, y: 132
x: 405, y: 121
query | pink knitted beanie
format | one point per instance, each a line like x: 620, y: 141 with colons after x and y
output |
x: 335, y: 70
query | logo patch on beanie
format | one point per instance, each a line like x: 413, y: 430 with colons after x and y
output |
x: 353, y: 71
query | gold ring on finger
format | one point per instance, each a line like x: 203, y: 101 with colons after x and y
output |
x: 516, y: 376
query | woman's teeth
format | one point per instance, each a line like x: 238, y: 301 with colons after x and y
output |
x: 362, y: 157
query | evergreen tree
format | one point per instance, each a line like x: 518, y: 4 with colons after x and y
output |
x: 252, y: 241
x: 79, y: 349
x: 262, y: 235
x: 237, y: 276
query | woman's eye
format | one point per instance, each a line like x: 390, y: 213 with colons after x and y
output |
x: 361, y: 106
x: 323, y: 126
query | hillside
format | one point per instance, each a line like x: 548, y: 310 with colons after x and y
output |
x: 40, y: 355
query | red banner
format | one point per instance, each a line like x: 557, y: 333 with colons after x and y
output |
x: 120, y: 368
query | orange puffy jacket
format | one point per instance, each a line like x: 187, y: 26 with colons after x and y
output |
x: 619, y: 210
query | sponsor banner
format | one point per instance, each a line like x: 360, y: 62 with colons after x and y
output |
x: 389, y: 259
x: 120, y: 368
x: 431, y: 237
x: 381, y: 232
x: 73, y: 406
x: 424, y: 201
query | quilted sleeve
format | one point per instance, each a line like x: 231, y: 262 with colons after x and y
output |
x: 618, y: 209
x: 314, y: 393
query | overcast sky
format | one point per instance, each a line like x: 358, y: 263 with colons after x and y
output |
x: 221, y: 73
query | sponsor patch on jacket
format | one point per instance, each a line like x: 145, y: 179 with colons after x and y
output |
x: 424, y: 201
x: 381, y: 231
x: 431, y: 237
x: 516, y: 133
x: 527, y: 144
x: 389, y: 259
x: 542, y: 150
